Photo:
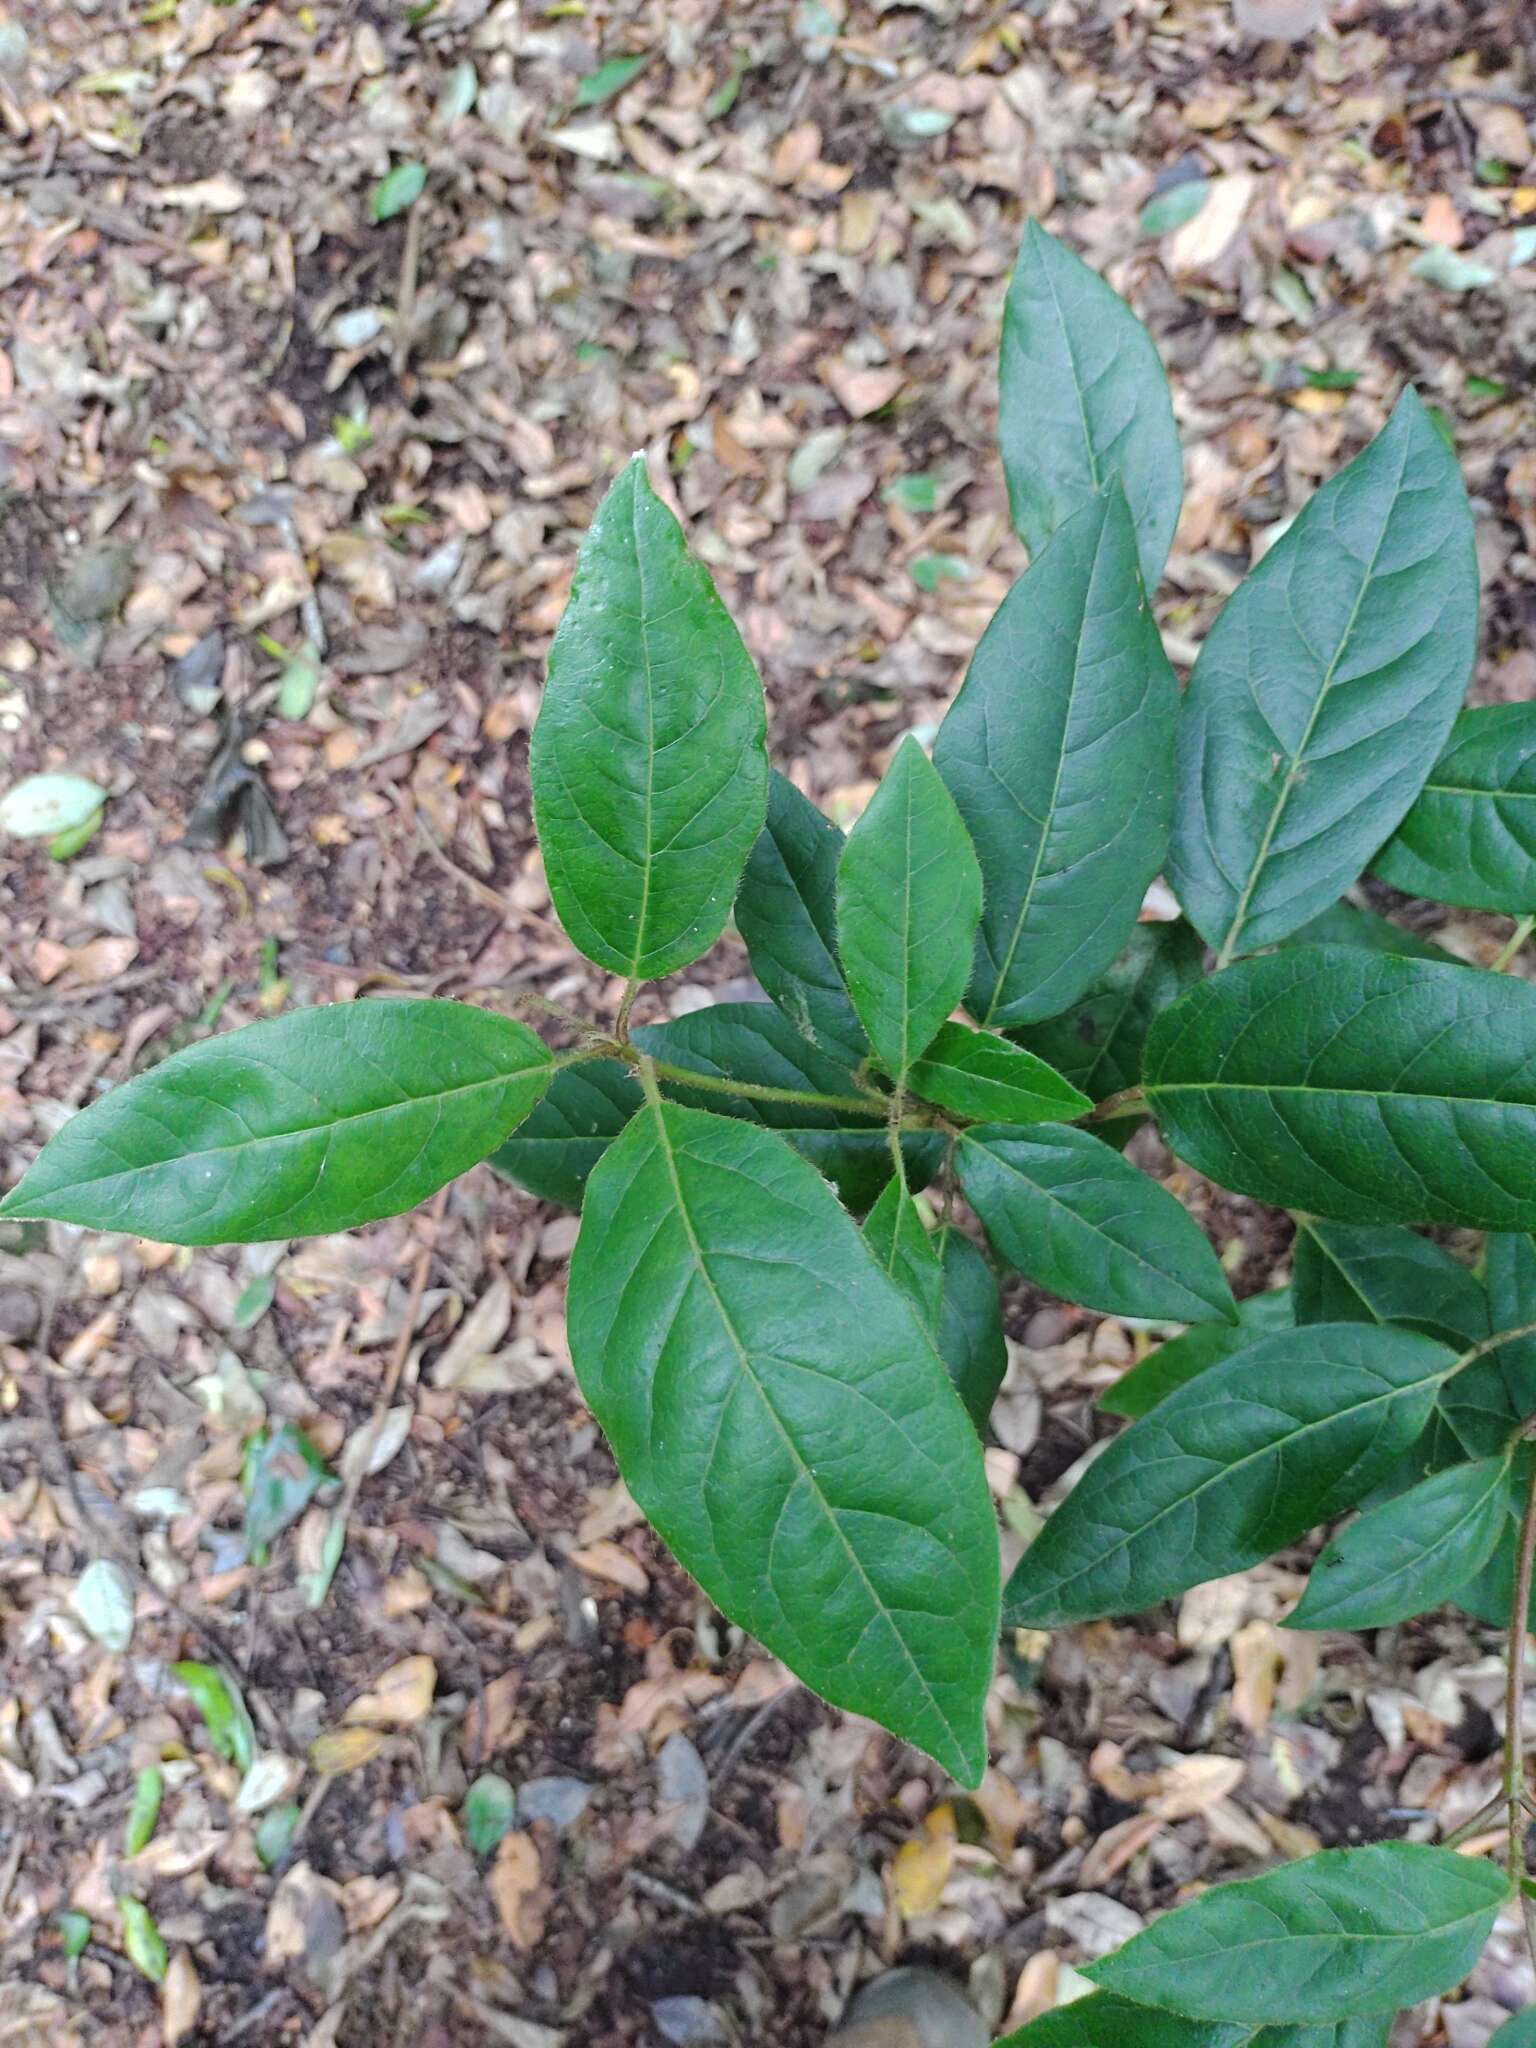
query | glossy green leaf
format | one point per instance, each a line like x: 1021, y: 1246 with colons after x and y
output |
x: 231, y: 1732
x: 398, y: 189
x: 1226, y: 1470
x: 1354, y: 1085
x: 42, y: 806
x: 976, y: 1073
x: 1317, y: 1940
x: 786, y: 912
x: 904, y: 1252
x: 650, y: 776
x: 1381, y: 1273
x: 310, y: 1123
x: 971, y: 1341
x: 1059, y: 754
x: 280, y: 1475
x: 610, y: 79
x: 1520, y: 2032
x: 1325, y: 690
x: 74, y: 1932
x: 1097, y: 1042
x: 1084, y: 398
x: 1066, y: 1209
x: 557, y: 1145
x: 490, y: 1812
x: 148, y: 1791
x: 756, y: 1042
x: 1487, y: 1402
x: 1490, y: 1593
x: 1170, y: 209
x: 1106, y: 2020
x: 142, y: 1941
x: 1470, y: 837
x: 1184, y: 1358
x: 1344, y: 924
x: 256, y: 1297
x: 782, y: 1419
x: 908, y: 897
x: 1398, y: 1560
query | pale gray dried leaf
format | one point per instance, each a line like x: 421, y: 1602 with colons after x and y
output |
x: 103, y: 1599
x: 683, y: 1784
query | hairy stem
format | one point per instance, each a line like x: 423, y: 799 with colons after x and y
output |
x: 761, y: 1091
x: 1517, y: 939
x: 1127, y: 1102
x: 626, y: 1004
x: 1514, y: 1699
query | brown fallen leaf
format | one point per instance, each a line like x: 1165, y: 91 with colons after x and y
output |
x: 345, y: 1749
x: 401, y: 1697
x: 181, y: 1998
x: 1283, y: 21
x: 516, y: 1886
x: 218, y: 194
x: 1441, y: 222
x: 1116, y: 1847
x: 859, y: 389
x: 612, y: 1561
x: 491, y: 1722
x: 1206, y: 238
x: 1194, y: 1784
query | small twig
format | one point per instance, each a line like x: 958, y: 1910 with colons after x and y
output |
x: 481, y: 891
x: 1514, y: 1704
x: 405, y: 297
x: 1517, y: 939
x: 626, y: 1004
x: 1478, y: 1822
x: 742, y: 1740
x: 1126, y: 1102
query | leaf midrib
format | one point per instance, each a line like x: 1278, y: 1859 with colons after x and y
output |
x: 807, y: 1474
x: 1271, y: 1449
x: 1229, y: 941
x: 329, y: 1124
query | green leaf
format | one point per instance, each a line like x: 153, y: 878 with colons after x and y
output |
x: 1520, y: 2032
x: 74, y: 1933
x: 1059, y: 753
x: 610, y: 79
x: 75, y: 838
x: 281, y: 1474
x: 148, y: 1791
x: 1182, y: 1359
x: 256, y: 1298
x: 1343, y: 924
x: 1399, y: 1559
x: 490, y: 1811
x: 1287, y: 1433
x: 298, y: 683
x: 397, y: 190
x: 1354, y: 1085
x: 1174, y: 207
x: 1470, y: 837
x: 225, y: 1714
x: 1083, y: 398
x: 557, y: 1145
x: 929, y: 571
x: 1066, y: 1209
x: 780, y: 1416
x: 313, y: 1122
x: 917, y: 493
x: 903, y: 1251
x: 976, y: 1073
x: 142, y: 1944
x: 1097, y: 1043
x: 1324, y: 689
x: 275, y: 1831
x: 42, y: 806
x: 1487, y: 1402
x: 1380, y: 1273
x: 650, y: 775
x: 1317, y: 1940
x: 755, y: 1042
x: 786, y: 912
x: 1450, y: 270
x: 908, y: 897
x: 971, y: 1341
x: 1107, y: 2021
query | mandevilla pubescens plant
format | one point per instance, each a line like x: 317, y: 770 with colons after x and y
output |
x: 797, y: 1401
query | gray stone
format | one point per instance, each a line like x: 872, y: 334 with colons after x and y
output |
x: 911, y: 2008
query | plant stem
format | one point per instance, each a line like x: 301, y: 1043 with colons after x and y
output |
x: 893, y: 1124
x: 1494, y: 1343
x: 1514, y: 1697
x: 1128, y: 1102
x: 760, y: 1091
x: 1517, y: 939
x: 626, y: 1004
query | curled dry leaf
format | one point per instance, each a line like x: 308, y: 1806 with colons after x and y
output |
x: 345, y: 1749
x: 401, y: 1697
x: 921, y: 1868
x: 612, y: 1561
